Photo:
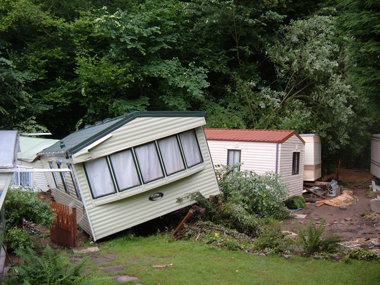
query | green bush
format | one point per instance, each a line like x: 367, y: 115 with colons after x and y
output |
x: 295, y: 202
x: 310, y: 238
x: 362, y: 254
x: 272, y: 239
x: 23, y: 204
x: 260, y: 195
x: 17, y: 238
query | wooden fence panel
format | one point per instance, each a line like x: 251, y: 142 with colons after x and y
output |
x: 64, y: 230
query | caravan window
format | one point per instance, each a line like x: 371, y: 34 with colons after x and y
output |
x: 142, y: 164
x: 149, y: 162
x: 99, y: 177
x: 124, y: 167
x: 76, y: 188
x: 296, y: 163
x: 171, y: 155
x: 51, y: 164
x: 22, y: 179
x: 63, y: 178
x: 233, y: 157
x: 190, y: 148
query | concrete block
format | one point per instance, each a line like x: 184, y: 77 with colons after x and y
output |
x: 375, y: 205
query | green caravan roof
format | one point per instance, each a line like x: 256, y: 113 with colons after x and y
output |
x: 89, y: 134
x: 31, y: 146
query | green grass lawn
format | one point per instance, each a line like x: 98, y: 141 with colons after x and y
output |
x: 194, y: 263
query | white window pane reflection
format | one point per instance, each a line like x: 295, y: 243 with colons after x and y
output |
x: 149, y: 162
x: 99, y: 177
x: 124, y: 169
x: 190, y: 148
x: 171, y: 155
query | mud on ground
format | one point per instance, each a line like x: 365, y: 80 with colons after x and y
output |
x: 356, y: 223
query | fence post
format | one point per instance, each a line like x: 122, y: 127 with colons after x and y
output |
x: 74, y: 226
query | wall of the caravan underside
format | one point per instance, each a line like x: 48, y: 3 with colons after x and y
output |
x: 375, y: 156
x: 294, y: 182
x: 119, y: 215
x: 140, y: 131
x: 256, y: 156
x: 39, y: 180
x: 61, y: 196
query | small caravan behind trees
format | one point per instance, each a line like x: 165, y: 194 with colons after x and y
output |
x: 261, y: 151
x: 131, y: 169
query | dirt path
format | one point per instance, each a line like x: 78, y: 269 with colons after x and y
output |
x: 356, y: 222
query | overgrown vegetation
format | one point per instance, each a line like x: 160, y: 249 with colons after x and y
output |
x: 246, y: 198
x: 49, y: 268
x: 260, y: 195
x: 19, y: 205
x: 311, y: 241
x: 295, y: 202
x: 248, y: 213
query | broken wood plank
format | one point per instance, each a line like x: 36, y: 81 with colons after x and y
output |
x: 320, y: 204
x: 189, y: 214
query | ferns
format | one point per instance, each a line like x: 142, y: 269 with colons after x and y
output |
x: 310, y: 238
x: 48, y: 268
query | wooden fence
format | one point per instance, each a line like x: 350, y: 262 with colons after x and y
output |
x: 64, y: 230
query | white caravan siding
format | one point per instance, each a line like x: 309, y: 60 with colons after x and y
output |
x: 313, y: 157
x: 294, y: 182
x: 61, y: 196
x: 256, y: 156
x: 117, y: 212
x: 39, y: 180
x: 375, y: 155
x: 5, y: 179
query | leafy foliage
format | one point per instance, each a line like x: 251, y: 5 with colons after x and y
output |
x: 295, y: 202
x: 260, y: 195
x: 47, y: 269
x: 362, y: 254
x: 23, y: 204
x: 310, y: 238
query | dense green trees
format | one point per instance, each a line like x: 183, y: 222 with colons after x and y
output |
x: 260, y: 64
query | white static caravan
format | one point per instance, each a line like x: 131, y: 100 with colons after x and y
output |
x: 261, y: 151
x: 313, y: 157
x: 28, y: 158
x: 132, y: 169
x: 9, y: 146
x: 375, y: 155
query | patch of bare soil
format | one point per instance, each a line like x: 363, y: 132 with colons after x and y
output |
x: 356, y: 222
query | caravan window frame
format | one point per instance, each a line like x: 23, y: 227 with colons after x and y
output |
x: 139, y: 164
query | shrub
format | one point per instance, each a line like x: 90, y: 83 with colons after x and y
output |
x: 271, y: 239
x: 310, y: 238
x: 295, y: 202
x: 260, y: 195
x: 23, y: 204
x: 17, y: 238
x: 362, y: 254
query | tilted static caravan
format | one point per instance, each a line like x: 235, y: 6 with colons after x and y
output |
x: 261, y: 151
x: 132, y: 169
x: 28, y: 158
x: 375, y: 155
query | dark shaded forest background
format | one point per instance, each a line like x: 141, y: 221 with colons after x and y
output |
x: 311, y: 66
